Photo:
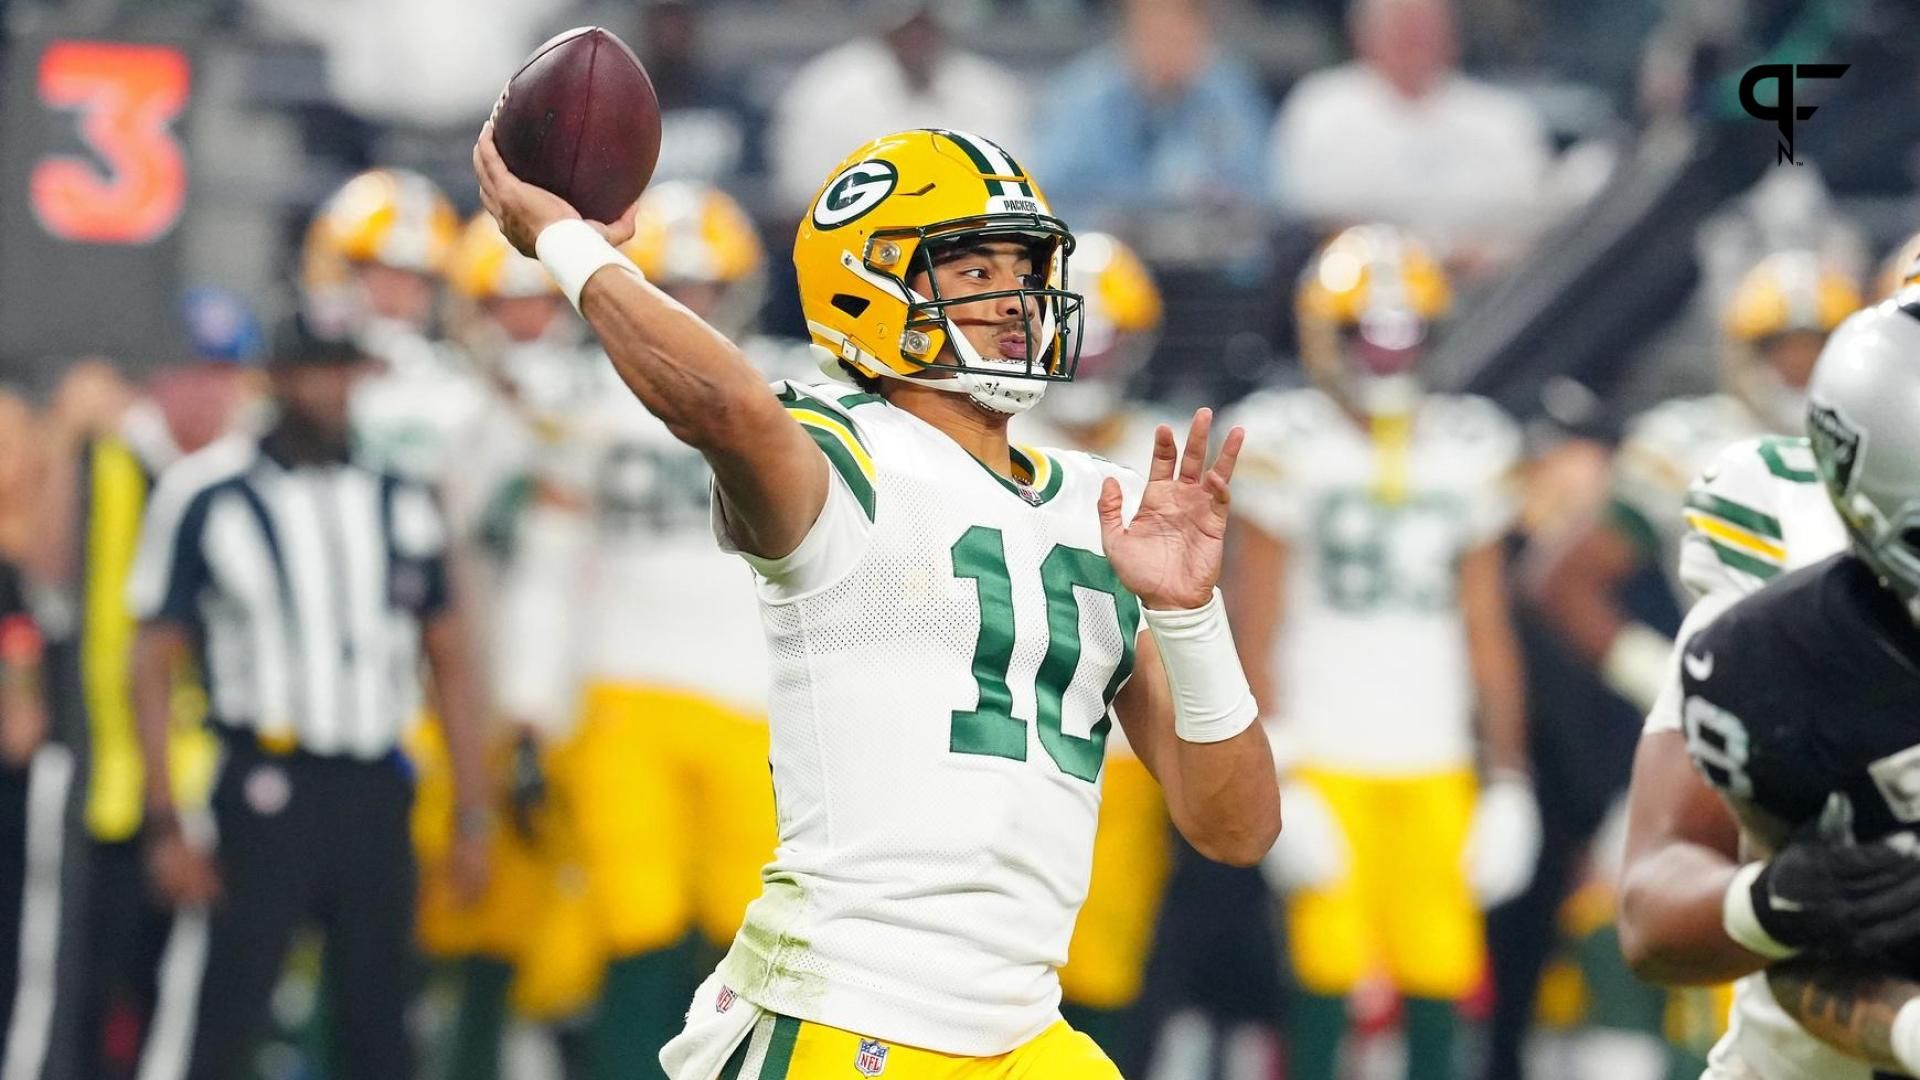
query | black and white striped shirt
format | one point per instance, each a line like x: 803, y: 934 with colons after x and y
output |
x: 306, y: 586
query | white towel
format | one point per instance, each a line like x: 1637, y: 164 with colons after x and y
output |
x: 717, y: 1022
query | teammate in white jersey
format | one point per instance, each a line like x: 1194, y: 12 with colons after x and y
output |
x: 373, y: 263
x: 951, y: 622
x: 1370, y: 578
x: 1687, y: 913
x: 1772, y: 328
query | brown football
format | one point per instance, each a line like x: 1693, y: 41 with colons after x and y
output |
x: 580, y: 119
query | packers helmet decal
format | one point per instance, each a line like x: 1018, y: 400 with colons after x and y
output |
x: 875, y: 227
x: 857, y: 190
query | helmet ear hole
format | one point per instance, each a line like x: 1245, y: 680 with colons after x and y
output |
x: 854, y: 306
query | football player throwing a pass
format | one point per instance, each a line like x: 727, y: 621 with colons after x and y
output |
x: 951, y: 622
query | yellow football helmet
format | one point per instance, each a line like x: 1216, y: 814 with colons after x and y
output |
x: 1901, y: 269
x: 1366, y: 307
x: 1779, y: 315
x: 691, y: 237
x: 876, y: 223
x: 484, y: 266
x: 1121, y: 318
x: 391, y: 217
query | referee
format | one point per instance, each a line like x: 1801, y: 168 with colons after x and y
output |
x: 306, y: 585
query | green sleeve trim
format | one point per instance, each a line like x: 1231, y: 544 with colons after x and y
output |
x: 1744, y: 516
x: 1634, y: 525
x: 1777, y: 465
x: 843, y: 463
x: 1746, y: 564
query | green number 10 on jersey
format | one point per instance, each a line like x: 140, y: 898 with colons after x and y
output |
x: 990, y: 728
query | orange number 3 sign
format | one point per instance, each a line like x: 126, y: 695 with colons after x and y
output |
x: 127, y: 98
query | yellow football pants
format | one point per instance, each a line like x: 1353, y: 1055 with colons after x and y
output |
x: 660, y: 818
x: 1404, y: 904
x: 1107, y: 959
x: 783, y: 1048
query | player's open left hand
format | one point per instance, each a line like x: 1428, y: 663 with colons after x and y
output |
x: 523, y: 210
x: 1169, y: 555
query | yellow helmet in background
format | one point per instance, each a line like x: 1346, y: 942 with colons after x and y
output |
x: 1779, y: 315
x: 1367, y: 306
x: 1901, y: 269
x: 1121, y: 315
x: 484, y: 266
x: 388, y: 217
x: 689, y: 236
x: 875, y: 224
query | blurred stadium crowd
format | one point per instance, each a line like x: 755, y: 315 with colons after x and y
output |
x: 1580, y: 223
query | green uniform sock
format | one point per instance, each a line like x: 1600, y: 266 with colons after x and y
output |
x: 481, y: 1021
x: 1315, y: 1027
x: 1430, y: 1026
x: 642, y: 1005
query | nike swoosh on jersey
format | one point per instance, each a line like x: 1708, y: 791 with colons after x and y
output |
x: 1700, y: 667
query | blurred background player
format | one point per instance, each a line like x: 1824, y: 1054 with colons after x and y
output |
x: 1100, y: 413
x: 630, y: 652
x: 108, y: 441
x: 1771, y: 329
x: 525, y: 340
x: 374, y: 265
x: 1370, y: 578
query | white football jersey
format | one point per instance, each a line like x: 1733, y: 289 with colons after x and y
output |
x: 1757, y: 511
x: 418, y: 417
x: 1665, y: 448
x: 945, y: 644
x: 1371, y: 662
x: 613, y: 575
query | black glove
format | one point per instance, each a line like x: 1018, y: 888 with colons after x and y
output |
x: 526, y: 785
x: 1859, y: 901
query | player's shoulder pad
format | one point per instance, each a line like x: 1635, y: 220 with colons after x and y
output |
x: 1279, y: 423
x: 829, y: 414
x: 1478, y: 424
x: 1733, y: 506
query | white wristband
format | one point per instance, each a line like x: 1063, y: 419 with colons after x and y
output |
x: 1636, y: 664
x: 1742, y: 925
x: 573, y: 252
x: 1905, y: 1036
x: 1211, y: 699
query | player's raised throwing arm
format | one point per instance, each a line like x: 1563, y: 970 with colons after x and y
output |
x: 771, y: 478
x: 1187, y: 710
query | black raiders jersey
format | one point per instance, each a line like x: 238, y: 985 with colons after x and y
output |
x: 1803, y: 701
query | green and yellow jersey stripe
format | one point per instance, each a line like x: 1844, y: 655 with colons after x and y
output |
x: 842, y: 445
x: 1743, y: 538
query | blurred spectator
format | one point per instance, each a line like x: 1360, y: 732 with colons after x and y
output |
x: 906, y: 75
x: 426, y: 63
x: 706, y: 125
x: 106, y: 442
x: 1401, y: 135
x: 1161, y: 115
x: 23, y: 724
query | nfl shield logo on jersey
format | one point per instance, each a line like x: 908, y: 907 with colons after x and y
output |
x: 872, y: 1057
x: 725, y: 1000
